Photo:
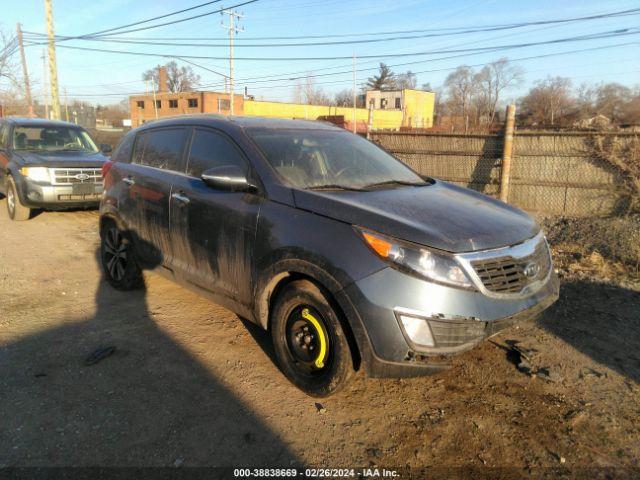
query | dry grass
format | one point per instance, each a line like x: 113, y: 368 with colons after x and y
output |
x: 606, y: 248
x: 624, y: 156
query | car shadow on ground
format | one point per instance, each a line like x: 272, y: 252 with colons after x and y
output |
x: 35, y: 212
x: 262, y: 338
x: 600, y: 320
x: 150, y: 403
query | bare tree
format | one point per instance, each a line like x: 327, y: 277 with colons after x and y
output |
x: 308, y: 92
x: 344, y: 98
x: 631, y: 110
x: 585, y: 101
x: 491, y: 82
x: 548, y: 101
x: 406, y: 80
x: 179, y: 78
x: 8, y: 62
x: 461, y: 89
x: 619, y: 103
x: 611, y: 99
x: 383, y: 80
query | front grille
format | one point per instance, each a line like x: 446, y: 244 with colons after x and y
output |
x: 507, y: 274
x: 71, y: 176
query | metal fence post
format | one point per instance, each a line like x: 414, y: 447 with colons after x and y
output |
x: 507, y: 151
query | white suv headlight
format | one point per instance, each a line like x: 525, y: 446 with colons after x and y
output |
x: 427, y: 263
x: 37, y: 174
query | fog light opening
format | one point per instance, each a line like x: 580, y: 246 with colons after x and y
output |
x: 33, y: 196
x: 418, y: 330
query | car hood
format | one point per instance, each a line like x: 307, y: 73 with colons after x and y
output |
x: 62, y: 159
x: 441, y: 215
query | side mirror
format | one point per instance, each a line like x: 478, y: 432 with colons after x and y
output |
x: 105, y: 148
x: 228, y: 177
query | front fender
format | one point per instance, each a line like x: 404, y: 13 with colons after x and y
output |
x: 284, y: 270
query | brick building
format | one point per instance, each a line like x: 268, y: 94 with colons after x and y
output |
x: 145, y: 108
x: 386, y: 110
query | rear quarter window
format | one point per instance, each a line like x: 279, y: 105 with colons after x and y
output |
x: 4, y: 137
x: 123, y: 150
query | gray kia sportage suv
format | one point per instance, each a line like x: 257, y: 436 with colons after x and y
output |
x: 348, y: 257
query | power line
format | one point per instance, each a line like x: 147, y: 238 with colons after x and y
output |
x: 177, y: 12
x: 596, y: 36
x: 532, y: 57
x: 181, y: 20
x: 305, y: 44
x: 415, y: 34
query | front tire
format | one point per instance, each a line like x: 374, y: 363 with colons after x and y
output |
x: 118, y: 259
x: 15, y: 209
x: 309, y: 342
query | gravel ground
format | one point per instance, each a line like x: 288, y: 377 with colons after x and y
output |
x: 190, y: 384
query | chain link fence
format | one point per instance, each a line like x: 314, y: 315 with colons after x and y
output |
x: 551, y: 172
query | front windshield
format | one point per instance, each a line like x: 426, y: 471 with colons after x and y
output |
x: 50, y: 139
x: 329, y: 158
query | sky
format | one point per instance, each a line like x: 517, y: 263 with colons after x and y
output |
x: 100, y: 77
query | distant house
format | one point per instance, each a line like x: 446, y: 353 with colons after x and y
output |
x: 417, y: 105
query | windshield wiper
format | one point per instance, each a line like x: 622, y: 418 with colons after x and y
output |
x: 394, y: 182
x: 335, y: 186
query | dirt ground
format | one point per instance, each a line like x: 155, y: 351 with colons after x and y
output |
x: 192, y: 385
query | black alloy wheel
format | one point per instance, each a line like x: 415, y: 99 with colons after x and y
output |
x: 118, y: 259
x: 114, y: 254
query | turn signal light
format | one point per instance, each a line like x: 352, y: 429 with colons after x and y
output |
x: 380, y: 246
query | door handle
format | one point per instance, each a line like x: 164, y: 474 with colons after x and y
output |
x: 129, y: 181
x: 181, y: 198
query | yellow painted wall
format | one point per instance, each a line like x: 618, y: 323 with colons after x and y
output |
x: 419, y: 107
x: 382, y: 119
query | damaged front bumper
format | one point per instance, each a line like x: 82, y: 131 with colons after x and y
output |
x: 456, y: 320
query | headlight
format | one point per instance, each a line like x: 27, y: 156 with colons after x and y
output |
x: 435, y: 266
x: 37, y: 174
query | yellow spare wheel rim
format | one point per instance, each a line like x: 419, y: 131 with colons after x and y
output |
x: 307, y: 339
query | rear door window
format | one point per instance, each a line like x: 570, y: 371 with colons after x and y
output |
x: 161, y: 148
x: 211, y: 149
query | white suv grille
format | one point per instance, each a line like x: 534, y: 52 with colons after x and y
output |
x: 71, y: 176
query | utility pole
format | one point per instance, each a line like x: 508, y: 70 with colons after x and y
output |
x: 53, y: 67
x: 45, y: 90
x: 25, y: 72
x: 355, y: 117
x: 507, y: 153
x: 66, y: 105
x: 155, y: 101
x: 233, y: 29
